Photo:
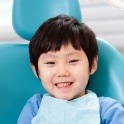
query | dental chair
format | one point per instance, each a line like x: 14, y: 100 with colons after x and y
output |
x: 17, y: 81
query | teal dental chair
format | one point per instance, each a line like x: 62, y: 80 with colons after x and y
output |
x: 17, y: 81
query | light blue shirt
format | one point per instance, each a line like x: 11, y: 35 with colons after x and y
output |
x: 111, y: 111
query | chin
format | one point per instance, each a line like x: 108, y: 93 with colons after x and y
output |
x: 64, y: 97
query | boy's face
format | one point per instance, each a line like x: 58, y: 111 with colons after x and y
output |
x: 65, y: 73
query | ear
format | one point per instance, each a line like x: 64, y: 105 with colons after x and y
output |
x: 94, y: 65
x: 34, y: 70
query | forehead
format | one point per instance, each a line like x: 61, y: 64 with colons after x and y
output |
x: 65, y: 51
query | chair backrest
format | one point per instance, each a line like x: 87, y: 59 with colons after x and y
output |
x: 109, y: 78
x: 17, y: 81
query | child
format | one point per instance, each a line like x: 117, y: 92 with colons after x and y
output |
x: 63, y: 54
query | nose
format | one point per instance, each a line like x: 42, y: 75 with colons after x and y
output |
x: 62, y: 71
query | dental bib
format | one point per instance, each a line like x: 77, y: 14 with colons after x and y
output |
x: 83, y: 110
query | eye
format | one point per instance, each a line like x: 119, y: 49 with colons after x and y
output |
x: 73, y: 61
x: 50, y: 63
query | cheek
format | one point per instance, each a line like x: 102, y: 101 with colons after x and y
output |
x: 83, y: 68
x: 45, y: 79
x: 82, y: 74
x: 83, y: 77
x: 45, y: 74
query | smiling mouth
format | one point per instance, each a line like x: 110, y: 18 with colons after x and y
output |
x: 63, y: 84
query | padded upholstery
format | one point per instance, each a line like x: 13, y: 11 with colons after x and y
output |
x: 29, y: 14
x: 109, y: 78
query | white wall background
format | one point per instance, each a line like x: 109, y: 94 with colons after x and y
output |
x: 106, y: 21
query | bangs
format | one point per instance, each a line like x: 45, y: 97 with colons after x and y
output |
x: 55, y: 38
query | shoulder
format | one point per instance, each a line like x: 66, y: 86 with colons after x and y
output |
x: 30, y: 109
x: 107, y: 102
x: 35, y: 99
x: 34, y: 102
x: 111, y: 111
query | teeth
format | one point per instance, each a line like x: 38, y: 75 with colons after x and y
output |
x: 63, y: 84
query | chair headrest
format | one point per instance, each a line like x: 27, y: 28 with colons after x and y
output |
x: 29, y: 15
